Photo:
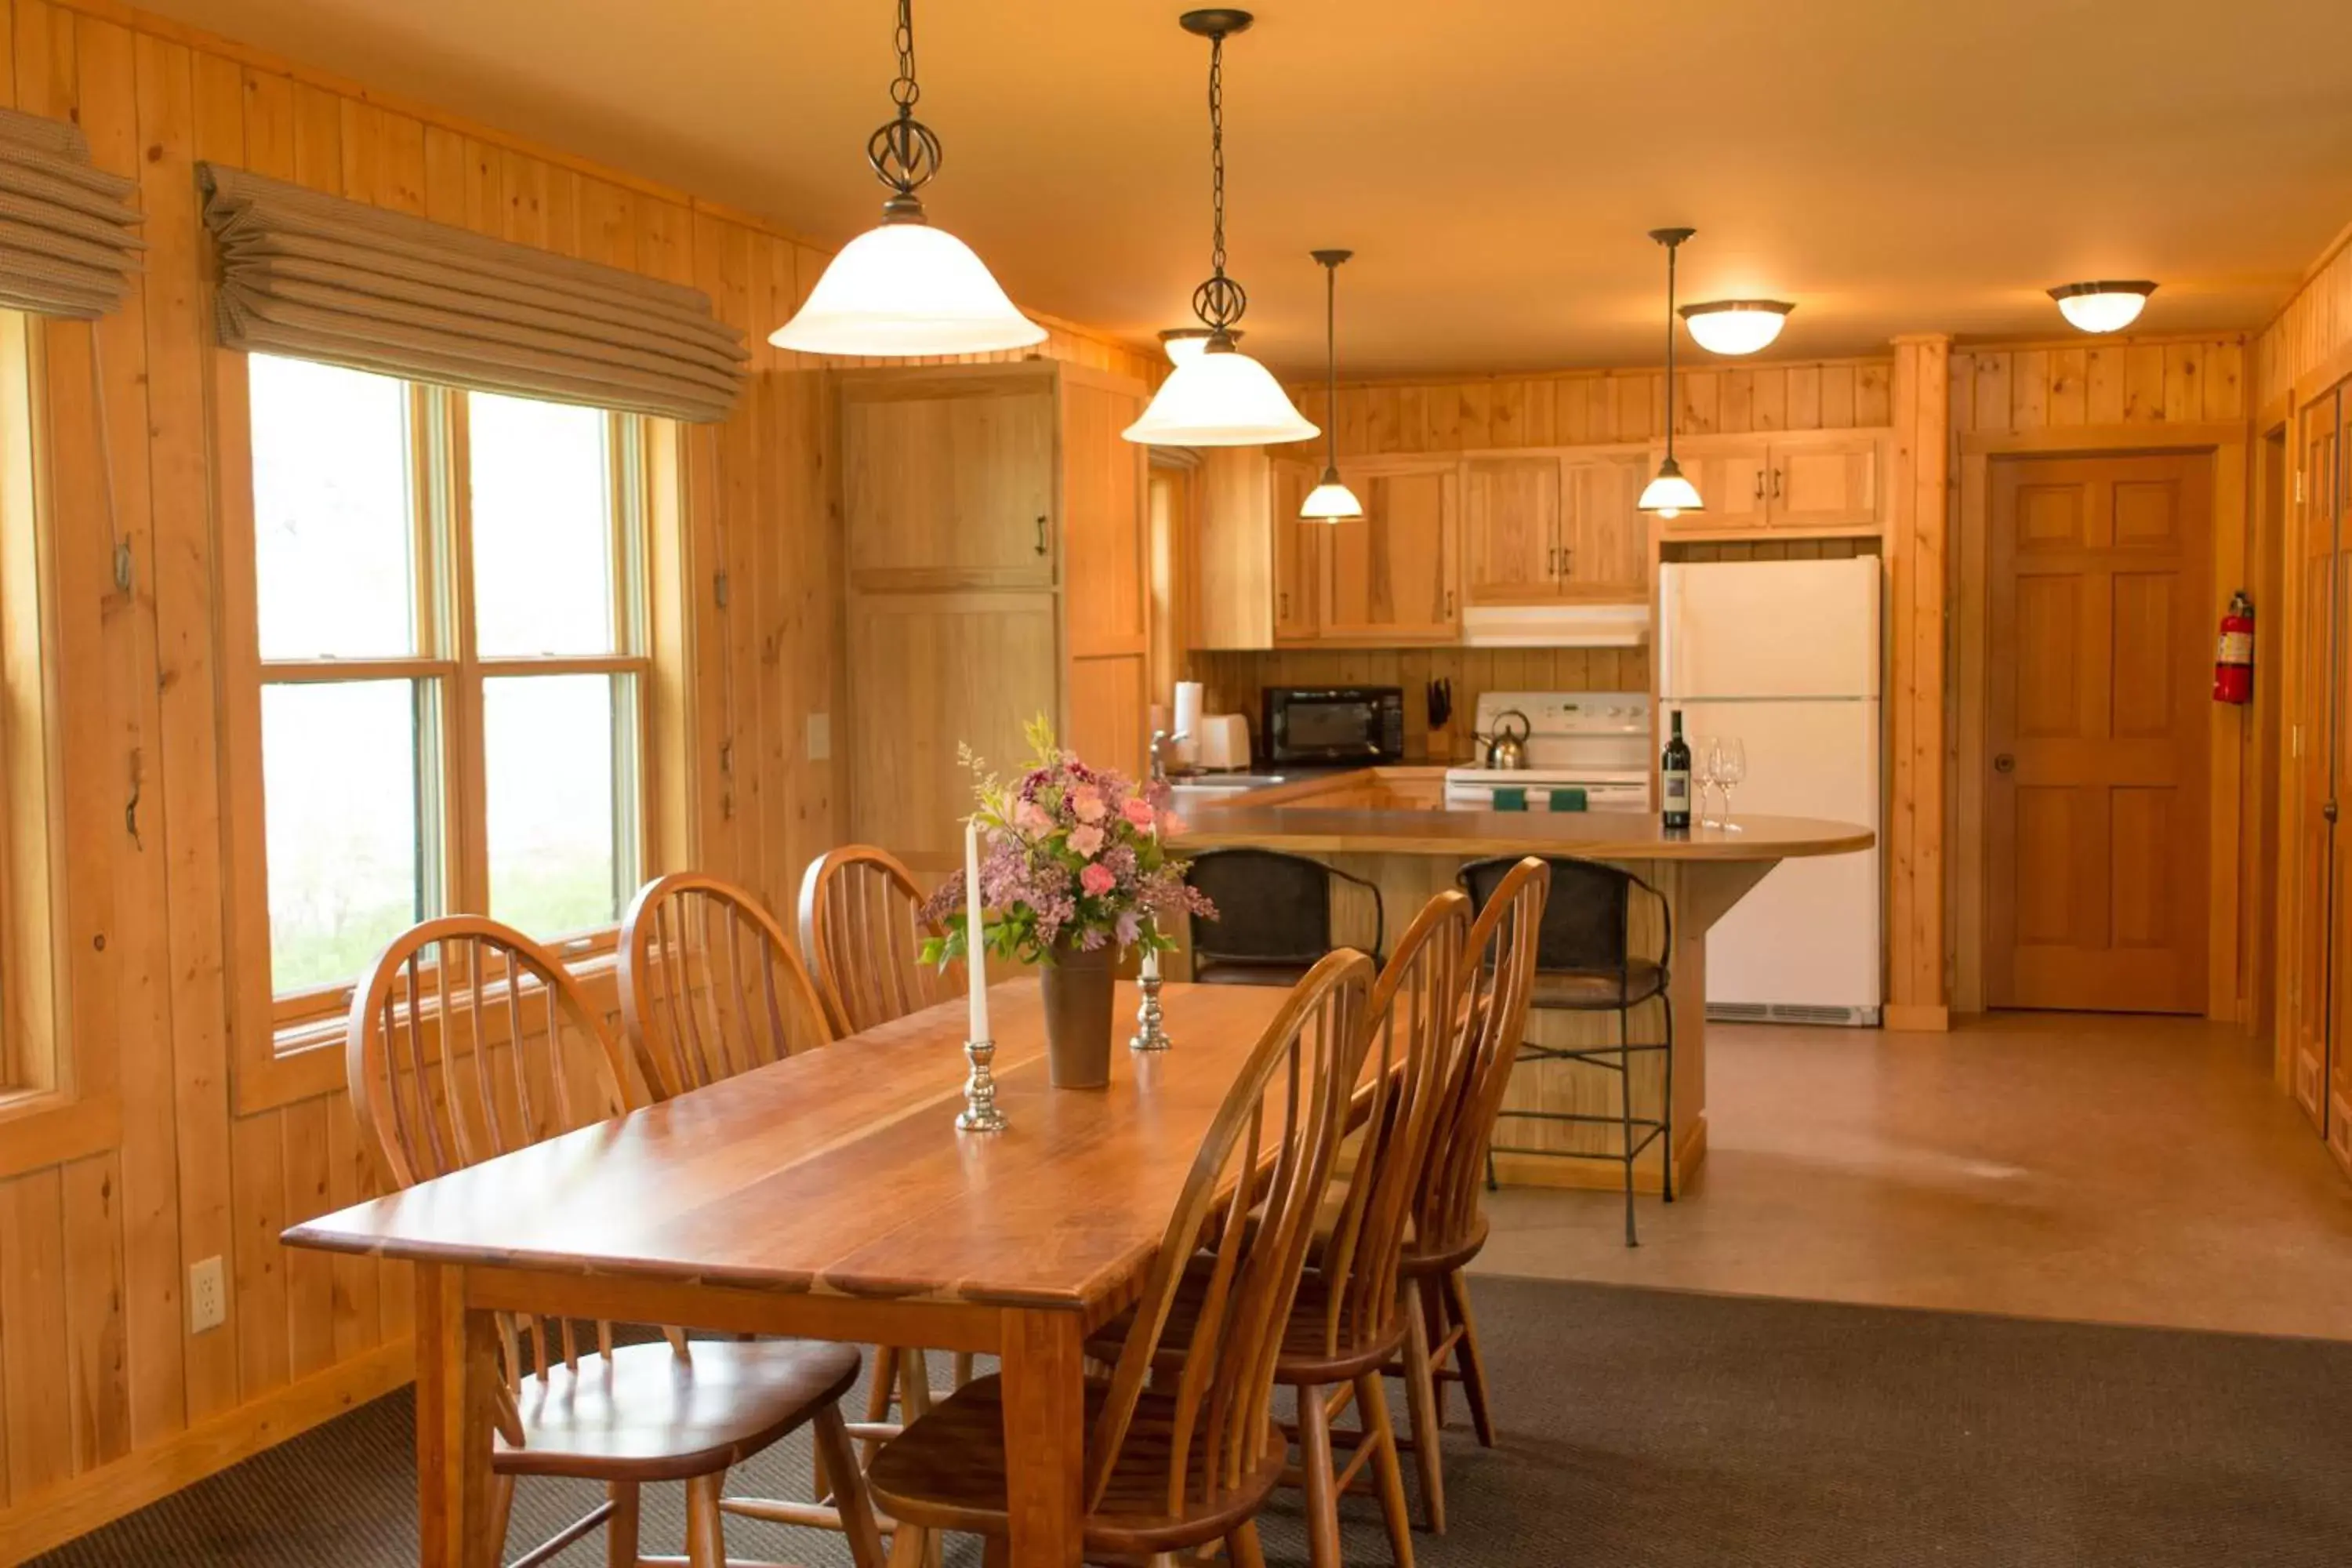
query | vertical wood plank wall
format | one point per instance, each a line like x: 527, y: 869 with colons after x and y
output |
x: 105, y: 1399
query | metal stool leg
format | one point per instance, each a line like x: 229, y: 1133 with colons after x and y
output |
x: 1666, y: 1113
x: 1625, y: 1115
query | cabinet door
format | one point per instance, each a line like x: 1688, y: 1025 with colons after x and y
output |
x: 1297, y: 549
x: 1106, y: 595
x: 1389, y: 573
x: 1606, y: 537
x: 1511, y: 529
x: 1732, y: 475
x: 949, y: 483
x: 928, y: 672
x: 1825, y: 484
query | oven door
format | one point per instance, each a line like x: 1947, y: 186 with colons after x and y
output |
x: 1462, y: 795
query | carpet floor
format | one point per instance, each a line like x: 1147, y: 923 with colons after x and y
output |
x: 1639, y: 1429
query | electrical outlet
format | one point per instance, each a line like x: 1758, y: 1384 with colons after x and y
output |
x: 207, y: 1295
x: 820, y: 737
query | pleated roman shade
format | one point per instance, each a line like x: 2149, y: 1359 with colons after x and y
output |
x: 316, y: 277
x: 66, y: 245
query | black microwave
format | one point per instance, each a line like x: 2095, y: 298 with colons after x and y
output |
x: 1361, y: 725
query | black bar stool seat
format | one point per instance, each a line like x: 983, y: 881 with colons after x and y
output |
x: 1275, y: 916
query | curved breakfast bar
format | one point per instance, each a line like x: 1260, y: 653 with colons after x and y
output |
x: 1383, y: 824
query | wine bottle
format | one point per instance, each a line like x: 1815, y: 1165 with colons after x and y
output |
x: 1675, y: 770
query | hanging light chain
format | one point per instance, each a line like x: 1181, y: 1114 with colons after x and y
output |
x: 1220, y: 302
x: 905, y: 152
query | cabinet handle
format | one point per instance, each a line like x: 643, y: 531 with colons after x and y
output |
x: 1449, y: 603
x: 1040, y: 534
x: 1776, y: 484
x: 1553, y: 558
x: 1284, y: 601
x: 1759, y: 484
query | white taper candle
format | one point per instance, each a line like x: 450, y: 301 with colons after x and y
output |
x: 974, y: 931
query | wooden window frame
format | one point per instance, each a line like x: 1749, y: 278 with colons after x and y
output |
x: 288, y: 1044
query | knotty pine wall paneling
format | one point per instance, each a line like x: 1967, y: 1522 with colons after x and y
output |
x: 106, y: 1401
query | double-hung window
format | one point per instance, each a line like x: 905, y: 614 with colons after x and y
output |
x: 449, y: 594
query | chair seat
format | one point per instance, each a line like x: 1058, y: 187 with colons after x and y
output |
x: 1208, y: 971
x: 1419, y: 1263
x: 946, y: 1472
x: 1305, y: 1357
x: 646, y: 1413
x: 1593, y: 989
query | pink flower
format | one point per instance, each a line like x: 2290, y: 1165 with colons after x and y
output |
x: 1031, y: 817
x: 1138, y: 813
x: 1087, y: 841
x: 1096, y: 880
x: 1086, y: 806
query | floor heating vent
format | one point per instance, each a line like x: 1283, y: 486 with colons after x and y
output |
x: 1792, y: 1012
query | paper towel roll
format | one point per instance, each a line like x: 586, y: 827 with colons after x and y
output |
x: 1188, y: 720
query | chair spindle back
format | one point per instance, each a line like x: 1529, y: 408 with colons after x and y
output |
x: 863, y: 930
x: 710, y: 985
x: 1287, y: 1107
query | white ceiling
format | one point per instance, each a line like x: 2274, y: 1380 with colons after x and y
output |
x: 1892, y: 166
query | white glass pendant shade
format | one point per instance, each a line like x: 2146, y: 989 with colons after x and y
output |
x: 1330, y: 502
x: 1222, y: 399
x: 1185, y: 344
x: 2102, y: 306
x: 906, y: 288
x: 1736, y: 326
x: 1670, y: 495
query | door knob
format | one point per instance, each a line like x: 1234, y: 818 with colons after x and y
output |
x: 2004, y: 764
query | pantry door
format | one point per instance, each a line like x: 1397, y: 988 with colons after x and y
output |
x: 2098, y: 714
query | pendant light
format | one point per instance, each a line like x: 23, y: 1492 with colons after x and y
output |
x: 1736, y: 326
x: 2102, y: 306
x: 906, y: 288
x: 1183, y: 344
x: 1329, y: 500
x: 1670, y: 494
x: 1221, y: 397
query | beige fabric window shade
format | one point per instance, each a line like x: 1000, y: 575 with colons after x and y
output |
x: 317, y: 277
x: 66, y: 245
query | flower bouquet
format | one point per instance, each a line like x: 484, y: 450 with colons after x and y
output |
x: 1073, y: 867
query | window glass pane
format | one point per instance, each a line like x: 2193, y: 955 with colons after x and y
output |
x: 332, y: 525
x: 559, y: 851
x: 543, y: 528
x: 340, y: 776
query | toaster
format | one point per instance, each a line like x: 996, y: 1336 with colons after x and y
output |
x: 1223, y: 742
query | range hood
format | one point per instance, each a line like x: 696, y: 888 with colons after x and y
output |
x: 1556, y: 626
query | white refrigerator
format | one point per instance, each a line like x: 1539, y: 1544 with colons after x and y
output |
x: 1785, y: 654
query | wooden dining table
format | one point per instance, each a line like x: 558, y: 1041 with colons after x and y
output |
x: 830, y: 1196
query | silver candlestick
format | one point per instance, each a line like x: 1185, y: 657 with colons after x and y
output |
x: 1148, y: 1036
x: 980, y: 1112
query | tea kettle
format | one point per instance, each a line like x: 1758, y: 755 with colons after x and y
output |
x: 1506, y: 752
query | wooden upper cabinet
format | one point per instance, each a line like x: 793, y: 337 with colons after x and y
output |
x: 1106, y: 563
x: 1511, y: 534
x: 947, y: 477
x: 1255, y: 559
x: 1796, y: 481
x: 1604, y: 552
x: 1388, y: 576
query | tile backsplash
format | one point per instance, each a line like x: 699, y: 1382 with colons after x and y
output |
x: 1231, y: 680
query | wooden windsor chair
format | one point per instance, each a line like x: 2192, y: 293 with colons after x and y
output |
x: 1173, y: 1464
x: 1347, y: 1323
x: 1449, y: 1224
x: 710, y: 986
x: 863, y: 930
x: 469, y: 1040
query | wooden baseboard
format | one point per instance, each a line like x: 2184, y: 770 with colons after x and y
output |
x: 57, y: 1514
x: 1553, y: 1170
x: 1935, y: 1020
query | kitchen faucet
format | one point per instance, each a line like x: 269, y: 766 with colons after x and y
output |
x: 1161, y: 740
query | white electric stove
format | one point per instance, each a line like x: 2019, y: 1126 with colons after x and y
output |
x: 1598, y: 742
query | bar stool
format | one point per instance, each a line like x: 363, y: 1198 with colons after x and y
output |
x: 1585, y: 962
x: 1275, y: 916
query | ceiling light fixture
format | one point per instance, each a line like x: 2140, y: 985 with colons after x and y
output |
x: 906, y: 288
x: 2107, y: 306
x: 1220, y: 398
x: 1736, y: 326
x: 1183, y: 344
x: 1329, y: 500
x: 1670, y: 494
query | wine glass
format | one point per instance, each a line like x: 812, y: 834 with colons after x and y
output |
x: 1705, y: 761
x: 1731, y: 770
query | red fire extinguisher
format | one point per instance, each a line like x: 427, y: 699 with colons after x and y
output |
x: 2234, y: 665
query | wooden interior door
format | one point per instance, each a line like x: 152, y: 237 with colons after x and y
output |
x: 1106, y: 579
x: 2098, y: 729
x: 2336, y: 1122
x: 1511, y: 511
x: 1390, y: 574
x: 2315, y: 698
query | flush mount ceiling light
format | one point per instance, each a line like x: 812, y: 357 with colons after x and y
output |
x: 1670, y: 494
x: 2107, y: 307
x: 1219, y: 396
x: 1736, y: 326
x: 1329, y: 500
x: 906, y: 288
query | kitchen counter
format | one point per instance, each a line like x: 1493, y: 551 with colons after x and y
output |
x: 1388, y: 826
